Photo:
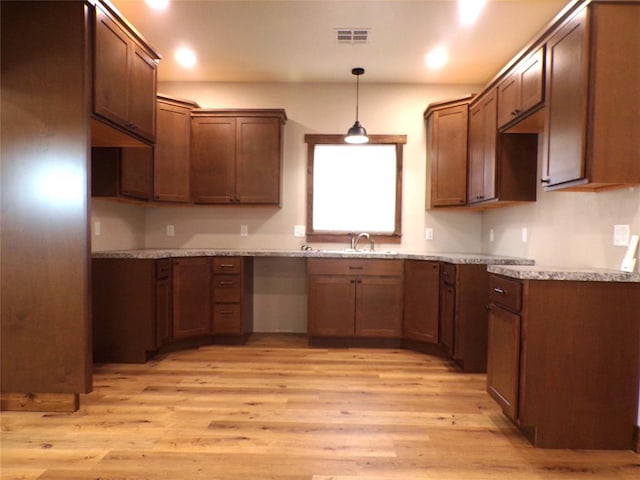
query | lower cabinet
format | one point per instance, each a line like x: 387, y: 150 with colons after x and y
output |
x: 355, y: 298
x: 463, y: 314
x: 563, y: 360
x: 191, y: 297
x: 142, y: 305
x: 233, y: 297
x: 124, y: 296
x: 421, y: 301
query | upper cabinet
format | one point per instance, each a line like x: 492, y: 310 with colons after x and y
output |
x: 447, y: 127
x: 236, y: 156
x: 502, y: 166
x: 522, y: 90
x: 124, y: 80
x: 593, y: 99
x: 171, y: 167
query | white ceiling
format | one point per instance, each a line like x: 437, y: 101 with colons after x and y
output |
x: 294, y: 40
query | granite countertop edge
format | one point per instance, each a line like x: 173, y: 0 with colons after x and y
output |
x: 542, y: 272
x: 456, y: 258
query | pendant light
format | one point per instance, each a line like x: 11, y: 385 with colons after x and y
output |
x: 357, y: 133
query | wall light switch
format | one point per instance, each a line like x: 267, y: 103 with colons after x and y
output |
x: 299, y: 231
x: 525, y: 234
x: 491, y: 235
x: 621, y: 235
x: 171, y: 231
x: 244, y: 231
x: 97, y: 229
x: 428, y: 233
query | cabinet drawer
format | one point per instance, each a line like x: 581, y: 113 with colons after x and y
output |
x: 227, y: 289
x: 163, y: 268
x: 227, y: 264
x: 505, y: 291
x: 449, y: 273
x: 226, y: 319
x: 354, y: 266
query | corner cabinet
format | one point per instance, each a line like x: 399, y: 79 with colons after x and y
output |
x: 171, y: 160
x: 593, y: 99
x: 124, y: 74
x: 236, y: 156
x: 563, y: 360
x: 355, y: 298
x: 447, y: 128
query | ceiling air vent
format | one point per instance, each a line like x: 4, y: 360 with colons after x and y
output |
x: 353, y: 36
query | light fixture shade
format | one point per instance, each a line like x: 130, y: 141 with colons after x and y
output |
x: 356, y: 134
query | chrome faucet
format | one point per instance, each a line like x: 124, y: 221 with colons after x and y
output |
x: 354, y: 242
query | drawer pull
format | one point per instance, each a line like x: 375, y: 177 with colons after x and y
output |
x: 226, y: 265
x: 226, y: 313
x: 225, y: 283
x: 355, y: 268
x: 500, y: 291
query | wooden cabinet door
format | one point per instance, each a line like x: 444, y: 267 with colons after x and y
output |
x: 191, y: 297
x: 509, y: 95
x: 142, y: 93
x: 378, y: 307
x: 566, y: 104
x: 531, y: 80
x: 172, y: 166
x: 111, y: 67
x: 421, y: 300
x: 447, y: 316
x: 163, y: 312
x: 482, y: 149
x: 447, y: 138
x: 503, y: 369
x: 136, y: 172
x: 258, y: 156
x: 331, y: 305
x: 213, y: 165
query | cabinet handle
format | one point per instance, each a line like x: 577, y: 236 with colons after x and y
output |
x: 225, y: 283
x: 352, y: 281
x: 545, y: 180
x: 226, y: 265
x: 515, y: 112
x: 499, y: 291
x: 355, y: 268
x: 226, y: 313
x: 488, y: 307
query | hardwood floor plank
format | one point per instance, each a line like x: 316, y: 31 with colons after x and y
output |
x: 278, y: 410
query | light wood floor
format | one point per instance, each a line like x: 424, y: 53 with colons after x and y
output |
x: 277, y: 409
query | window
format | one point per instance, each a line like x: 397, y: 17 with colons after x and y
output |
x: 354, y: 188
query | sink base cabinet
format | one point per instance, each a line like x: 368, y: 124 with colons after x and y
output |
x: 355, y: 298
x: 567, y: 375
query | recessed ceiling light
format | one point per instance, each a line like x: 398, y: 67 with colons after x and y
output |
x: 158, y: 4
x: 185, y: 57
x: 437, y: 58
x: 469, y: 10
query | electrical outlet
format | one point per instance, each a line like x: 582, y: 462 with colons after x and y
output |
x: 491, y: 236
x: 299, y: 231
x: 428, y: 233
x: 244, y: 231
x: 621, y: 235
x: 171, y: 231
x: 525, y: 234
x: 97, y: 229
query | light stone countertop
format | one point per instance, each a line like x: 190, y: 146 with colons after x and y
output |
x: 457, y: 258
x: 541, y: 272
